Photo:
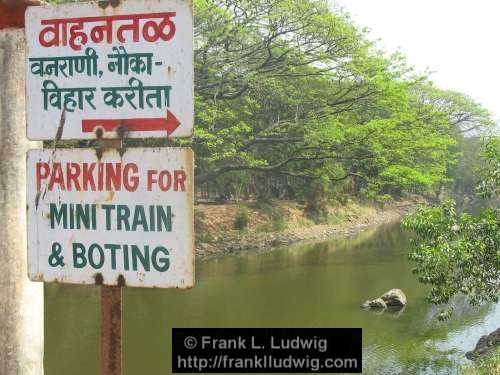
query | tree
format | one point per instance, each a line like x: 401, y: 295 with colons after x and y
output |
x: 458, y: 253
x: 269, y: 76
x: 288, y: 88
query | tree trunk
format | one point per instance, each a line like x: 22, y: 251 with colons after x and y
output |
x: 21, y: 301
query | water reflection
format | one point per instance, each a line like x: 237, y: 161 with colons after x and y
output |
x: 315, y: 285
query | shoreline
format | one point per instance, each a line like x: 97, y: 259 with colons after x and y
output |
x: 250, y: 241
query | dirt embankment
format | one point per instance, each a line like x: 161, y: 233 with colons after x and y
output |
x: 281, y: 224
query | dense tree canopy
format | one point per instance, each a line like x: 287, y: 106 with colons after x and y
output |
x: 291, y: 88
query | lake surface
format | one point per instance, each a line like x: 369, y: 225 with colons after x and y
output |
x: 312, y: 285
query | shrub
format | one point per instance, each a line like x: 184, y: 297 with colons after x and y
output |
x: 242, y: 218
x: 203, y: 237
x: 488, y: 365
x: 316, y: 207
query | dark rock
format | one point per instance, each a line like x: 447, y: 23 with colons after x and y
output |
x: 378, y: 304
x: 394, y: 297
x: 485, y: 345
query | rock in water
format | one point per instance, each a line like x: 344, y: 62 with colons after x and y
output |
x: 485, y: 345
x: 394, y: 297
x: 377, y: 304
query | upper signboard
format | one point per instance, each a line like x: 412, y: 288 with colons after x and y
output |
x: 128, y: 67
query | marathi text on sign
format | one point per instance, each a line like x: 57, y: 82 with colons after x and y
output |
x: 70, y: 31
x: 130, y: 63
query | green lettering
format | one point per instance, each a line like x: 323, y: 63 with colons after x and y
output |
x: 160, y: 264
x: 144, y: 258
x: 112, y: 248
x: 79, y: 260
x: 108, y: 208
x: 58, y: 216
x: 123, y: 213
x: 95, y: 247
x: 125, y: 258
x: 164, y: 219
x: 152, y: 218
x: 82, y: 214
x: 140, y: 218
x: 71, y: 216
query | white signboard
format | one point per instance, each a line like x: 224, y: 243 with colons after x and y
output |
x: 128, y: 67
x: 129, y: 215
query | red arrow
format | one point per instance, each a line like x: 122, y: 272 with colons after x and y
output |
x: 169, y: 123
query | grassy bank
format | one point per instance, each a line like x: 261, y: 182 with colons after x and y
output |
x: 229, y: 228
x: 489, y: 365
x: 215, y: 223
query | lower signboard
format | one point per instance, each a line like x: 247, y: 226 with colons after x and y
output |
x: 111, y: 218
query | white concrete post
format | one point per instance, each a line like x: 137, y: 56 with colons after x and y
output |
x: 21, y: 301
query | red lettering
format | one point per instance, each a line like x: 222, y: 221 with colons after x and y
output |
x: 88, y: 176
x: 100, y: 177
x: 96, y: 176
x: 130, y: 182
x: 72, y: 174
x: 113, y: 175
x: 42, y: 172
x: 164, y: 180
x: 151, y: 172
x: 165, y: 185
x: 56, y: 177
x: 179, y: 180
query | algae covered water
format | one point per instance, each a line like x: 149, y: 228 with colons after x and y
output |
x: 312, y: 285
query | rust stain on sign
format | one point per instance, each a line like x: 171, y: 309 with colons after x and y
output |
x: 110, y: 3
x: 12, y: 12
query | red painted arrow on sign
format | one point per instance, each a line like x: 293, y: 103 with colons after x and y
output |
x: 168, y: 123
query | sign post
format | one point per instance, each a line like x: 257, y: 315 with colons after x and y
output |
x: 110, y: 216
x: 111, y: 330
x: 21, y: 311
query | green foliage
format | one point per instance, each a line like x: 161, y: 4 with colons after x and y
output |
x: 242, y: 218
x: 464, y: 172
x: 275, y: 225
x: 203, y: 237
x: 336, y: 218
x: 278, y: 220
x: 279, y: 224
x: 459, y: 253
x: 291, y: 90
x: 316, y: 207
x: 488, y: 365
x: 490, y: 183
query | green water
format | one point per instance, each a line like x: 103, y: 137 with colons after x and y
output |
x: 315, y: 285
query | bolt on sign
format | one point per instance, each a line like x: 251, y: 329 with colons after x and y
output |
x: 128, y: 215
x: 127, y: 69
